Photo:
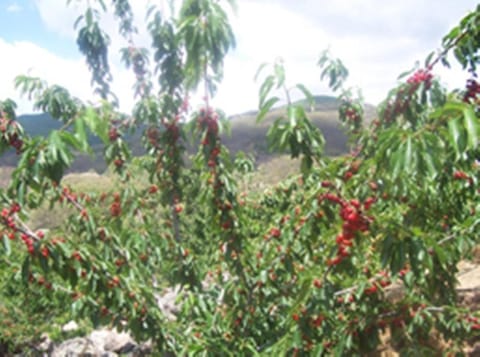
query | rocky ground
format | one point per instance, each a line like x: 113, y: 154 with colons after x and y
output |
x: 101, y: 343
x: 469, y: 295
x: 110, y: 343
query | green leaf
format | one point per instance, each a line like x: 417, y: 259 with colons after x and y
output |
x: 26, y: 269
x: 455, y: 135
x: 472, y: 127
x: 409, y: 277
x: 102, y: 4
x: 44, y: 264
x: 283, y: 138
x: 6, y: 245
x: 97, y: 125
x: 89, y: 17
x: 428, y: 60
x: 398, y: 257
x: 302, y: 295
x: 397, y: 161
x: 306, y: 164
x: 308, y: 95
x: 295, y: 113
x: 452, y: 34
x: 259, y: 70
x: 77, y: 21
x: 408, y: 155
x: 405, y: 74
x: 80, y: 132
x: 279, y: 73
x: 441, y: 254
x: 386, y: 250
x: 432, y: 163
x: 21, y: 191
x: 299, y: 136
x: 265, y: 89
x: 266, y: 108
x: 54, y: 145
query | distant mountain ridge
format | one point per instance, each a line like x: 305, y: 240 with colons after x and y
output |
x: 246, y: 134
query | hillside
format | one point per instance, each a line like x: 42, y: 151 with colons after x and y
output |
x: 249, y: 136
x: 246, y: 134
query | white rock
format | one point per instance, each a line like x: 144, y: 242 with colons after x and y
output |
x: 77, y: 347
x: 46, y: 344
x: 70, y: 326
x: 167, y: 302
x: 111, y: 340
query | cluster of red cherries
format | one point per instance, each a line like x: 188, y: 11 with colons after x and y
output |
x: 354, y: 220
x: 473, y: 90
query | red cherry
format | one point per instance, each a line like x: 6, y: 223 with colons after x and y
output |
x: 475, y: 327
x: 334, y: 261
x: 355, y: 203
x: 275, y: 232
x: 371, y: 290
x: 178, y: 208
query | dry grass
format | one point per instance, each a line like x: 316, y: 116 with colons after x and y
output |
x: 89, y: 182
x: 250, y: 137
x: 5, y: 174
x: 272, y: 172
x: 45, y: 217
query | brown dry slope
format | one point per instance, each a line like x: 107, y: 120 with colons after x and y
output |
x: 250, y: 137
x: 468, y: 289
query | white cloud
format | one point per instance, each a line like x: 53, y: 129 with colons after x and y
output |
x: 14, y: 7
x: 28, y: 58
x: 260, y: 41
x: 57, y: 17
x: 60, y: 19
x: 376, y: 40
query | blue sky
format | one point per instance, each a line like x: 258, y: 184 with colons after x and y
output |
x: 376, y: 39
x: 20, y: 20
